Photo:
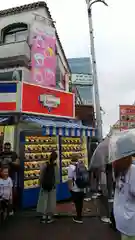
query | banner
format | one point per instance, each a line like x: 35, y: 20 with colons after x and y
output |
x: 127, y: 117
x: 44, y: 101
x: 43, y: 55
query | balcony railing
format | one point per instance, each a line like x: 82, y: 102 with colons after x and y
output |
x: 15, y: 53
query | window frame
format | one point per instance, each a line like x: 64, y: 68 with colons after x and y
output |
x: 14, y: 29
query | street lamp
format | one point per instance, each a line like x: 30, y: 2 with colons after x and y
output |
x: 94, y: 67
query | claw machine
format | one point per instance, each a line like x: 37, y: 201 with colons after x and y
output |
x: 35, y: 150
x: 70, y: 146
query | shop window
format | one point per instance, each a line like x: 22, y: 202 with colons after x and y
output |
x: 15, y: 33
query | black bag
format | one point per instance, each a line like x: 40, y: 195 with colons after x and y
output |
x: 82, y: 176
x: 48, y: 178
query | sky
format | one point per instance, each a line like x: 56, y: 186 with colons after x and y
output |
x: 114, y: 45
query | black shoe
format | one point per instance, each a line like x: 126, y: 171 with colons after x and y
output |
x: 77, y: 220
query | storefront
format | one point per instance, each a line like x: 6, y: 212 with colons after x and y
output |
x: 43, y: 121
x: 35, y: 148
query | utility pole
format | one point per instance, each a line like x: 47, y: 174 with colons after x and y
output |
x: 94, y: 67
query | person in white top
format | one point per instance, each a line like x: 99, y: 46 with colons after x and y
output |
x: 76, y: 193
x: 6, y: 186
x: 124, y: 199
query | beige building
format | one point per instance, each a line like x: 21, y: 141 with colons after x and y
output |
x: 16, y: 29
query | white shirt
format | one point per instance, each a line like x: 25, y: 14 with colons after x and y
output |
x: 6, y: 188
x: 71, y: 176
x: 124, y: 203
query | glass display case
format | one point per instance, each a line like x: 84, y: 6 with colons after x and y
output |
x: 70, y: 146
x: 37, y: 151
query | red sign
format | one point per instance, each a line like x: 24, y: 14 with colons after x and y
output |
x: 45, y: 101
x: 127, y: 117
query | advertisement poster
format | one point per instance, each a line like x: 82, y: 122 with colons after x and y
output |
x: 43, y: 55
x: 45, y: 101
x: 127, y: 117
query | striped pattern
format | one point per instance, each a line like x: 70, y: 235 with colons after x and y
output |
x: 8, y: 96
x: 8, y: 88
x: 68, y: 129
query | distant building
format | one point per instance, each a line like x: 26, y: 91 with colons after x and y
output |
x: 82, y: 85
x: 81, y: 78
x: 80, y: 65
x: 18, y: 27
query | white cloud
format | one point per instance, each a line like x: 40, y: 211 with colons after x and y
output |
x: 114, y: 44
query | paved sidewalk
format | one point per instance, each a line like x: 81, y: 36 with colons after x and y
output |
x: 91, y: 208
x: 26, y: 228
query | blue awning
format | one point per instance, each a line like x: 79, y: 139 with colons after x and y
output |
x: 51, y: 127
x: 3, y: 119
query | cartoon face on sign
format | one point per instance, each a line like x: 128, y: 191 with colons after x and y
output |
x: 39, y: 41
x: 49, y: 76
x: 39, y: 59
x: 38, y: 77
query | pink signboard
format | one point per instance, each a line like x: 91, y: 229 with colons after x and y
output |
x: 43, y: 71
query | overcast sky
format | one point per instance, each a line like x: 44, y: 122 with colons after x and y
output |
x: 114, y: 44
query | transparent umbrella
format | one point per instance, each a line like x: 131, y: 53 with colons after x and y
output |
x: 114, y: 148
x: 100, y: 155
x: 121, y: 145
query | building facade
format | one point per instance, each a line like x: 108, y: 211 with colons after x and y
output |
x: 82, y: 85
x: 80, y: 65
x: 81, y: 78
x: 17, y: 28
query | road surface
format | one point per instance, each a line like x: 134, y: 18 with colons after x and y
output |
x: 29, y: 228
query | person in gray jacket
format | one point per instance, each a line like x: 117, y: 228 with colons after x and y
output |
x: 47, y: 196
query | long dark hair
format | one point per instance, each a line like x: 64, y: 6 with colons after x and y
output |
x: 121, y: 166
x: 53, y: 156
